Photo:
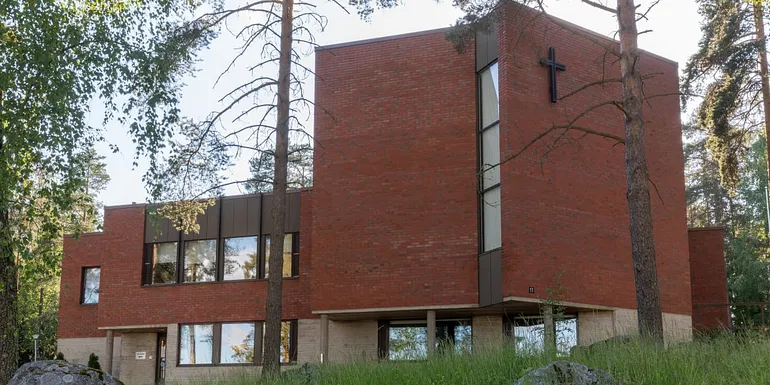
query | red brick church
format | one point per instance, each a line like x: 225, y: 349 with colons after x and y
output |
x: 421, y: 221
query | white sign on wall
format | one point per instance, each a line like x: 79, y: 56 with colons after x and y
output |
x: 141, y: 355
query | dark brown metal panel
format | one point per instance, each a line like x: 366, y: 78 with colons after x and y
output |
x: 227, y: 226
x: 209, y: 224
x: 292, y: 213
x: 293, y: 209
x: 496, y: 276
x: 253, y: 211
x: 240, y: 217
x: 484, y: 280
x: 158, y: 229
x: 212, y: 220
x: 486, y: 47
x: 267, y: 214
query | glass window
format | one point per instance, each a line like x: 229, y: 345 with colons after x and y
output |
x: 529, y: 334
x: 90, y: 293
x: 237, y: 343
x: 287, y: 252
x: 492, y: 219
x: 200, y: 260
x: 240, y: 258
x: 196, y: 344
x: 164, y: 262
x: 490, y: 111
x: 490, y: 146
x: 285, y: 342
x: 408, y: 342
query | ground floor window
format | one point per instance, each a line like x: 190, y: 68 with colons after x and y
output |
x: 230, y: 343
x: 408, y: 340
x: 528, y: 333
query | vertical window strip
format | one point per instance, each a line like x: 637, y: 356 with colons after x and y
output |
x: 489, y: 159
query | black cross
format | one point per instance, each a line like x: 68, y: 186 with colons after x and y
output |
x: 553, y: 66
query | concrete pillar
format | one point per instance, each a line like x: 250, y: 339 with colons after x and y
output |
x: 324, y: 338
x: 431, y: 332
x: 549, y: 329
x: 108, y: 352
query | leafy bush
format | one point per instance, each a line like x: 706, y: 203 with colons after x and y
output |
x: 93, y: 362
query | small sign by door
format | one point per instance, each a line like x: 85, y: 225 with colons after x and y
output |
x: 141, y: 355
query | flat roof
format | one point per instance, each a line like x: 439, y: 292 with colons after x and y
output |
x: 563, y: 22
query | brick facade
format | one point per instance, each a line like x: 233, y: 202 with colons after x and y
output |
x: 567, y: 212
x: 390, y: 229
x: 707, y: 270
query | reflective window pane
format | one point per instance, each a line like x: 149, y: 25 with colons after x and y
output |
x: 200, y: 260
x: 196, y: 344
x: 237, y: 343
x: 240, y: 258
x: 164, y: 262
x: 408, y: 342
x: 490, y: 145
x: 287, y: 250
x: 91, y: 278
x: 492, y: 219
x: 285, y: 342
x: 489, y: 96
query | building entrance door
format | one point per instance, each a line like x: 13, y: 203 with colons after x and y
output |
x: 160, y: 370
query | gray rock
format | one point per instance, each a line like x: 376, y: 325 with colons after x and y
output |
x: 566, y: 373
x: 60, y: 373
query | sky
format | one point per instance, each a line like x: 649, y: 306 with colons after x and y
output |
x: 675, y: 27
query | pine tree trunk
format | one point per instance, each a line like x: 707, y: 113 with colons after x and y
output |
x: 271, y: 359
x: 759, y: 25
x: 640, y: 213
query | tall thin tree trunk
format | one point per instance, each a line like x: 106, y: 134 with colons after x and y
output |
x: 759, y: 25
x: 9, y: 331
x: 640, y: 213
x: 271, y: 360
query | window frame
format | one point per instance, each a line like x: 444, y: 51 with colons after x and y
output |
x: 384, y: 326
x: 147, y: 264
x: 482, y: 190
x: 221, y: 261
x: 294, y: 255
x: 216, y: 354
x: 181, y: 260
x: 83, y: 285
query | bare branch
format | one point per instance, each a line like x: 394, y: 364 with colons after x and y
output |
x: 601, y: 6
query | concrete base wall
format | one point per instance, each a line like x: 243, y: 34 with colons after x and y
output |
x: 598, y: 325
x: 134, y: 371
x: 77, y: 350
x: 352, y: 340
x: 487, y: 332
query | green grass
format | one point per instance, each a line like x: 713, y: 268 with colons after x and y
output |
x: 721, y: 360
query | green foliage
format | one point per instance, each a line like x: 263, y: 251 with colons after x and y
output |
x: 721, y: 360
x: 93, y: 362
x: 300, y: 169
x: 743, y: 214
x: 30, y: 319
x: 724, y: 71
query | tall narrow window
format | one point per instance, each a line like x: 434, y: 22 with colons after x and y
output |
x: 164, y: 262
x: 200, y: 261
x: 241, y: 260
x: 90, y: 290
x: 489, y: 132
x: 288, y: 253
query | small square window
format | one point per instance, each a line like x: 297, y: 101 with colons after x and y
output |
x: 89, y: 294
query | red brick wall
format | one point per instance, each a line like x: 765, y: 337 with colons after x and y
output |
x: 709, y: 279
x: 565, y: 211
x: 395, y: 207
x: 123, y: 301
